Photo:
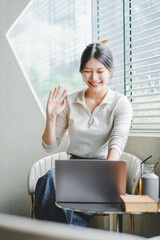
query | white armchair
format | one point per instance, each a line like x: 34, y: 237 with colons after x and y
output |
x: 43, y: 165
x: 39, y: 169
x: 133, y: 171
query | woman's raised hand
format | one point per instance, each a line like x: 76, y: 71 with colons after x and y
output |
x: 55, y: 105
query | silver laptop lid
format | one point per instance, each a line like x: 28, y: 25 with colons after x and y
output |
x: 90, y: 181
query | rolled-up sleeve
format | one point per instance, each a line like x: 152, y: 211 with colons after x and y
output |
x: 49, y: 148
x: 123, y: 114
x: 61, y: 127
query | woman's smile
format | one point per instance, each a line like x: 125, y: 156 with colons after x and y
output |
x: 94, y: 84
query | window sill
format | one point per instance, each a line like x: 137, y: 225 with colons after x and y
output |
x: 148, y: 135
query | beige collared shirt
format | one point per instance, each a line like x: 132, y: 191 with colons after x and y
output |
x: 92, y: 135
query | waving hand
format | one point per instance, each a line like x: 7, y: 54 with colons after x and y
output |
x: 55, y: 104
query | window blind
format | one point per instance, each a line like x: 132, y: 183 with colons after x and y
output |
x: 48, y: 39
x: 107, y: 20
x: 143, y: 63
x: 132, y: 28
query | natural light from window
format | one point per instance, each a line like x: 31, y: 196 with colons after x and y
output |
x: 47, y: 40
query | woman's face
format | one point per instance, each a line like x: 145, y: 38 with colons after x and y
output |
x: 95, y: 75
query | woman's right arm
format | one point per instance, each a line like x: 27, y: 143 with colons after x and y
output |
x: 55, y: 106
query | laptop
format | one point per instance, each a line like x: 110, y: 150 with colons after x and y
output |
x: 90, y: 181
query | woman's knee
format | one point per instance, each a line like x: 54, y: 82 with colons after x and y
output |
x: 50, y: 173
x: 47, y: 179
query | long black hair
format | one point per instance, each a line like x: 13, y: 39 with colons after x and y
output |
x: 100, y: 52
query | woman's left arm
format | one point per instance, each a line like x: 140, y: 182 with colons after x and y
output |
x: 122, y: 119
x: 113, y: 154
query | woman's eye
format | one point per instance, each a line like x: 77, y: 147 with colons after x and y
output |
x: 99, y: 72
x: 87, y: 71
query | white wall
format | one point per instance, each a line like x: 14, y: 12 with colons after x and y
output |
x: 20, y: 133
x: 21, y: 121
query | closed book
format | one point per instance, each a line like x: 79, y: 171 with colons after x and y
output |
x: 138, y: 203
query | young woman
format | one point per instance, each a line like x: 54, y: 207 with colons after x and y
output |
x: 98, y: 121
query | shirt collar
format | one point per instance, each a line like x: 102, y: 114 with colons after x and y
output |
x: 107, y: 99
x: 80, y: 97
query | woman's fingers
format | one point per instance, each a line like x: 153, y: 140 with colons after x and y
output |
x: 58, y: 91
x: 50, y: 96
x: 54, y: 93
x: 63, y: 102
x: 63, y: 95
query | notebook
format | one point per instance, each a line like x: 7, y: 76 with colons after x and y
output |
x: 90, y: 181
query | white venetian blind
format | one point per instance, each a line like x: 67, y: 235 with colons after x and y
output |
x: 143, y: 63
x: 48, y: 39
x: 133, y: 29
x: 107, y: 20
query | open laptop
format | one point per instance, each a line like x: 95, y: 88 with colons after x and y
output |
x: 90, y: 181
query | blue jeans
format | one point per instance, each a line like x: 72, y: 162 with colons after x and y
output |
x: 45, y: 208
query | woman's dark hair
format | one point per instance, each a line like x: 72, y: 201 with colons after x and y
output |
x: 100, y: 52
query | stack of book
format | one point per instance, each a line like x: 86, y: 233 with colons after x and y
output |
x: 139, y: 203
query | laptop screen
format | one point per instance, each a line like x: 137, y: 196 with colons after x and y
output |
x: 90, y: 181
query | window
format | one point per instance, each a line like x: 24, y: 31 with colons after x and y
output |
x: 133, y: 31
x: 48, y: 39
x: 108, y: 24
